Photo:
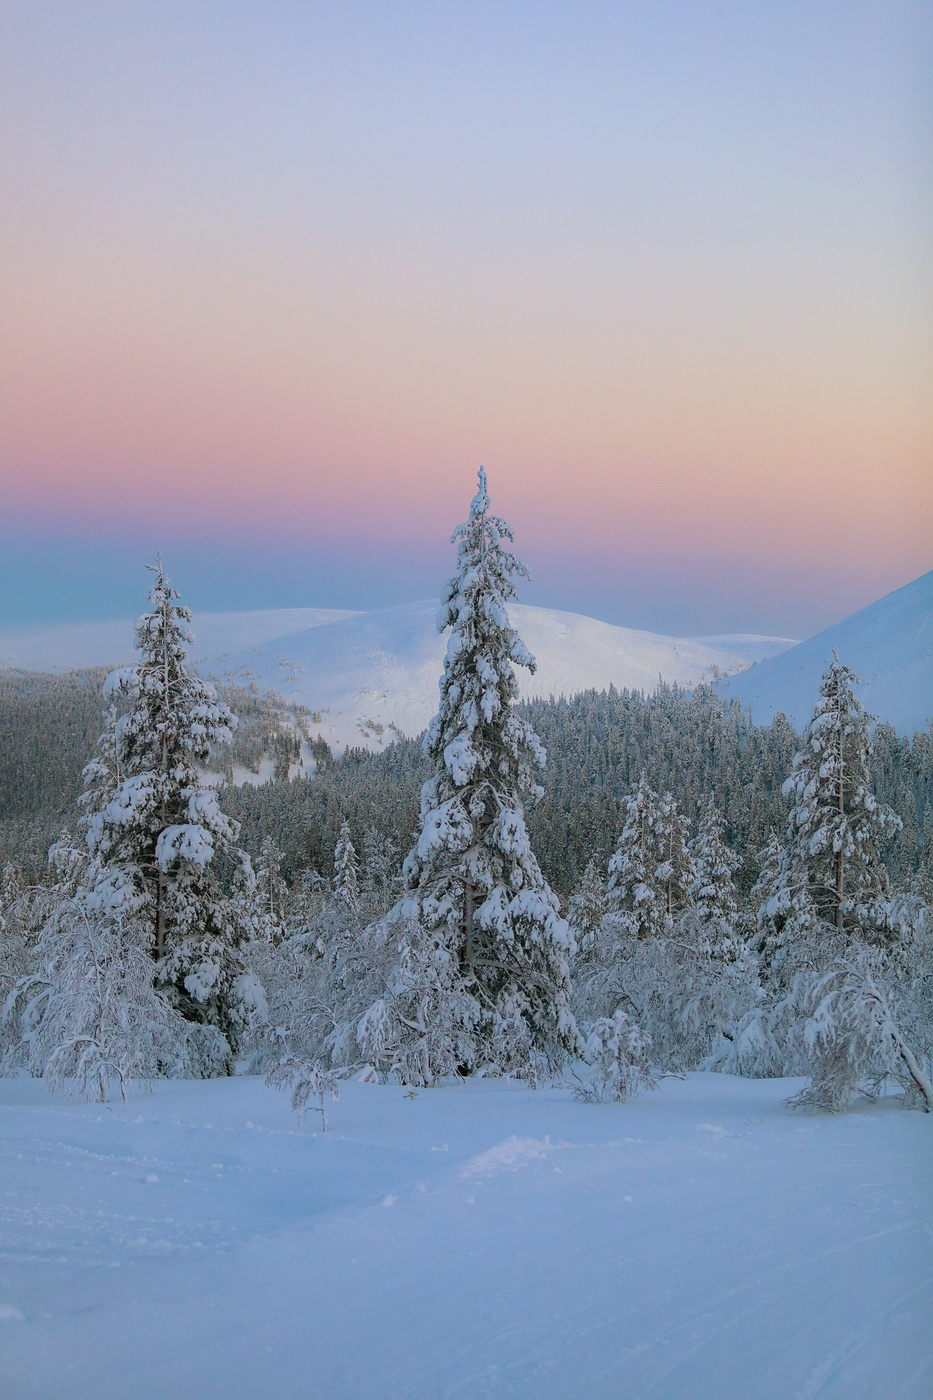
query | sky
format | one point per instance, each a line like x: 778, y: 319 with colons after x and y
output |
x: 277, y: 277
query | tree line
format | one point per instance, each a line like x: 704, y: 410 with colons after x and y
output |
x: 735, y: 898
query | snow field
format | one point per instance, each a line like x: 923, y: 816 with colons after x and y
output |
x: 475, y: 1240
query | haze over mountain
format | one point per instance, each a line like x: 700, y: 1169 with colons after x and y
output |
x: 371, y: 676
x: 71, y: 646
x: 889, y: 645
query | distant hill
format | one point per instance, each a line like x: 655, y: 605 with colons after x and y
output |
x: 374, y: 676
x: 889, y: 644
x: 371, y: 676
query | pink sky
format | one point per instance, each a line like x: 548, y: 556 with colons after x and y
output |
x: 292, y: 273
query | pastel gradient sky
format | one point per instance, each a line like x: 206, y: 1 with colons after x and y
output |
x: 277, y: 277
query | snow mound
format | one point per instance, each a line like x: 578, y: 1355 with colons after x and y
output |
x: 889, y: 645
x: 509, y: 1155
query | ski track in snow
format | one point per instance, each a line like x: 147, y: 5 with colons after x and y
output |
x: 478, y: 1240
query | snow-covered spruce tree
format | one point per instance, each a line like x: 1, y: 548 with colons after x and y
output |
x: 472, y: 879
x: 262, y: 895
x: 830, y: 875
x: 675, y: 873
x: 346, y: 869
x: 712, y: 890
x: 586, y: 909
x: 153, y: 826
x: 638, y: 899
x: 381, y: 876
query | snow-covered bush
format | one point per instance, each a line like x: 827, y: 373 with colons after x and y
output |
x: 854, y: 1015
x: 307, y: 1079
x: 88, y: 1013
x: 617, y: 1052
x: 688, y: 991
x: 423, y: 1024
x: 846, y: 1031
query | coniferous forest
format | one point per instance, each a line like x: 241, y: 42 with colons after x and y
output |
x: 609, y: 885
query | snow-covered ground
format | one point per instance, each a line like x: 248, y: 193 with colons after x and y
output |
x: 888, y: 644
x: 475, y: 1240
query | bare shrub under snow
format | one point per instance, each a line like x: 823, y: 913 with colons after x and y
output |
x: 848, y: 1032
x: 87, y: 1011
x: 617, y: 1053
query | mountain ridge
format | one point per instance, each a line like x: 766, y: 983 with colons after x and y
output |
x: 889, y: 645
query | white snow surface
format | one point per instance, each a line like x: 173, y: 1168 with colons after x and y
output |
x: 374, y: 676
x: 475, y: 1240
x: 888, y: 644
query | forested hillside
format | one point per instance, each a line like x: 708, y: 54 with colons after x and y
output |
x: 598, y: 743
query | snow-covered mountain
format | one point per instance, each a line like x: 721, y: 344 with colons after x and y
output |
x: 375, y: 675
x: 371, y: 676
x: 889, y: 644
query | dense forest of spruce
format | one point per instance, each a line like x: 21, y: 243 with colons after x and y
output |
x: 598, y: 744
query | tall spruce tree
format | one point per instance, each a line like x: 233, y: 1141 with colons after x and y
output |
x: 472, y: 878
x: 153, y: 825
x: 346, y: 869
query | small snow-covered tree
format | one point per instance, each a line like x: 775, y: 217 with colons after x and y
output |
x: 153, y: 825
x: 587, y: 907
x: 637, y: 901
x: 617, y: 1052
x: 472, y: 879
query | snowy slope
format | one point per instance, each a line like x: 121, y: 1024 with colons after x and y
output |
x: 889, y: 644
x: 373, y: 676
x: 475, y: 1240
